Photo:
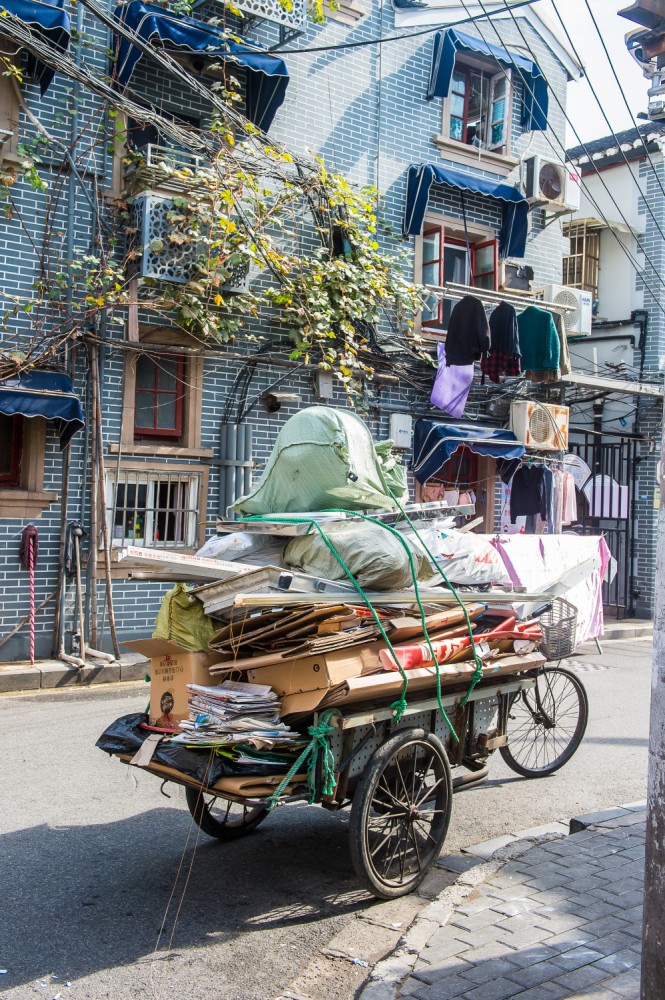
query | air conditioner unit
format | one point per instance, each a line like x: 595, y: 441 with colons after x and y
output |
x: 164, y: 260
x: 551, y: 184
x: 540, y: 426
x: 577, y: 318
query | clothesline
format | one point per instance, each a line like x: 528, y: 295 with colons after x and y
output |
x: 454, y: 291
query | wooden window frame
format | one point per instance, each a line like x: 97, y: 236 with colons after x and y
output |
x: 442, y: 227
x: 29, y: 498
x: 12, y: 478
x: 165, y: 433
x: 466, y: 67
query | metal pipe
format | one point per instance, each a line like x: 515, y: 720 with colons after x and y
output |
x: 247, y: 471
x: 464, y: 781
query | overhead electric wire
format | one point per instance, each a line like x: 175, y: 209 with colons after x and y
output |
x: 609, y: 125
x: 631, y: 259
x: 400, y: 38
x: 623, y: 94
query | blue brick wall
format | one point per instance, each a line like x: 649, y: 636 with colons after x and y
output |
x: 364, y: 110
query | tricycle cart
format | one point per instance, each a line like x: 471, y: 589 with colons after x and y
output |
x: 397, y: 777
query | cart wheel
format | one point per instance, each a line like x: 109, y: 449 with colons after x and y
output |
x: 400, y: 813
x: 222, y: 818
x: 546, y: 723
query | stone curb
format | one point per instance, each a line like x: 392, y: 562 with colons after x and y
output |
x: 476, y: 864
x: 50, y: 675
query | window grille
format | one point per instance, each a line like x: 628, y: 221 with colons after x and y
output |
x: 581, y: 266
x: 153, y: 508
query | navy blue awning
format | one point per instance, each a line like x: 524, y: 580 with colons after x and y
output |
x: 447, y: 43
x: 267, y: 75
x: 512, y: 238
x: 434, y: 443
x: 43, y: 394
x: 48, y: 21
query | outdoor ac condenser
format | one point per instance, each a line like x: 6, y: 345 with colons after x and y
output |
x: 553, y: 185
x: 577, y: 318
x: 540, y: 426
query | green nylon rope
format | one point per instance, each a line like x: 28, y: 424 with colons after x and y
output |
x: 405, y: 545
x: 398, y: 706
x: 318, y: 744
x: 478, y: 672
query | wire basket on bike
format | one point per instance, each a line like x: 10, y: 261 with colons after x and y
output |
x: 559, y: 626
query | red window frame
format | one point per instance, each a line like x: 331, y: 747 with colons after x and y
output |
x: 171, y: 433
x: 12, y: 477
x: 437, y: 322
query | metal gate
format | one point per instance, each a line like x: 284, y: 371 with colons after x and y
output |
x: 611, y: 459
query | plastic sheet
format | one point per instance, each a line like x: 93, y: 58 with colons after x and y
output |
x: 125, y: 736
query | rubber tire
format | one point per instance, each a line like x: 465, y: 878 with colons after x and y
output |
x: 212, y: 827
x: 577, y: 737
x: 362, y: 798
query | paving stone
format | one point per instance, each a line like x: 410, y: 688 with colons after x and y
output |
x: 555, y: 922
x: 475, y: 921
x: 548, y: 991
x: 407, y: 988
x: 626, y: 985
x: 439, y: 951
x: 486, y: 848
x: 55, y: 675
x: 489, y: 952
x: 575, y: 958
x: 530, y: 956
x: 499, y: 989
x: 635, y: 806
x: 458, y: 862
x: 444, y: 989
x: 619, y: 961
x: 578, y: 937
x: 612, y: 942
x: 534, y: 975
x: 541, y: 831
x: 582, y: 978
x: 604, y: 926
x: 429, y: 974
x: 579, y: 823
x: 496, y: 967
x: 548, y: 881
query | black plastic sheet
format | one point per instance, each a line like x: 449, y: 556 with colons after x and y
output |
x: 125, y: 736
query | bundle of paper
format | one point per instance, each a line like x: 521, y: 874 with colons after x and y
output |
x: 234, y: 713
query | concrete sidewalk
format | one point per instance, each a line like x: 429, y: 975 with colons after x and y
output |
x: 51, y: 674
x: 561, y: 919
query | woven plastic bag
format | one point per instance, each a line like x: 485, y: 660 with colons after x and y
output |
x: 181, y: 619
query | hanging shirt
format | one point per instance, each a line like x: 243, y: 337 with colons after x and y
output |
x: 468, y: 335
x: 504, y: 353
x: 539, y: 344
x: 564, y: 354
x: 530, y: 492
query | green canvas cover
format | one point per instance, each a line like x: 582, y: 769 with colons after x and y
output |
x: 323, y: 458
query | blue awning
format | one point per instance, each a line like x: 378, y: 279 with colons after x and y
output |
x: 512, y: 238
x: 267, y: 75
x: 49, y: 22
x: 447, y: 43
x: 434, y: 443
x: 43, y: 394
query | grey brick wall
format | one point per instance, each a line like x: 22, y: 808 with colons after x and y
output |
x: 364, y: 110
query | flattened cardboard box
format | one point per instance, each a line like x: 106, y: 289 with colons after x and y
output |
x: 310, y: 677
x: 171, y: 670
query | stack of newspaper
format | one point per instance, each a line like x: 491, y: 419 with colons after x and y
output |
x: 234, y: 713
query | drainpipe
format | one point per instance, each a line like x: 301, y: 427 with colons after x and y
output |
x: 235, y: 464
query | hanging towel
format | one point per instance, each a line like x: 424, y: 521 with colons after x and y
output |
x: 468, y: 335
x: 452, y: 385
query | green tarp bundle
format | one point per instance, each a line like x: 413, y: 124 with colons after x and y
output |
x: 325, y: 458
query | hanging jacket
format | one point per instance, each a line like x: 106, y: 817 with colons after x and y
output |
x: 503, y: 330
x: 530, y: 493
x: 468, y: 335
x: 539, y: 342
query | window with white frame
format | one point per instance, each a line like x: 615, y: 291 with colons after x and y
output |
x: 477, y: 109
x: 447, y: 259
x: 153, y: 508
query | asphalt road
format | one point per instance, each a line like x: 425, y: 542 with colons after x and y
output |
x: 107, y: 892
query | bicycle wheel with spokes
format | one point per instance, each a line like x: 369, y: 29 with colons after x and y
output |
x: 222, y: 818
x: 400, y: 813
x: 546, y: 723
